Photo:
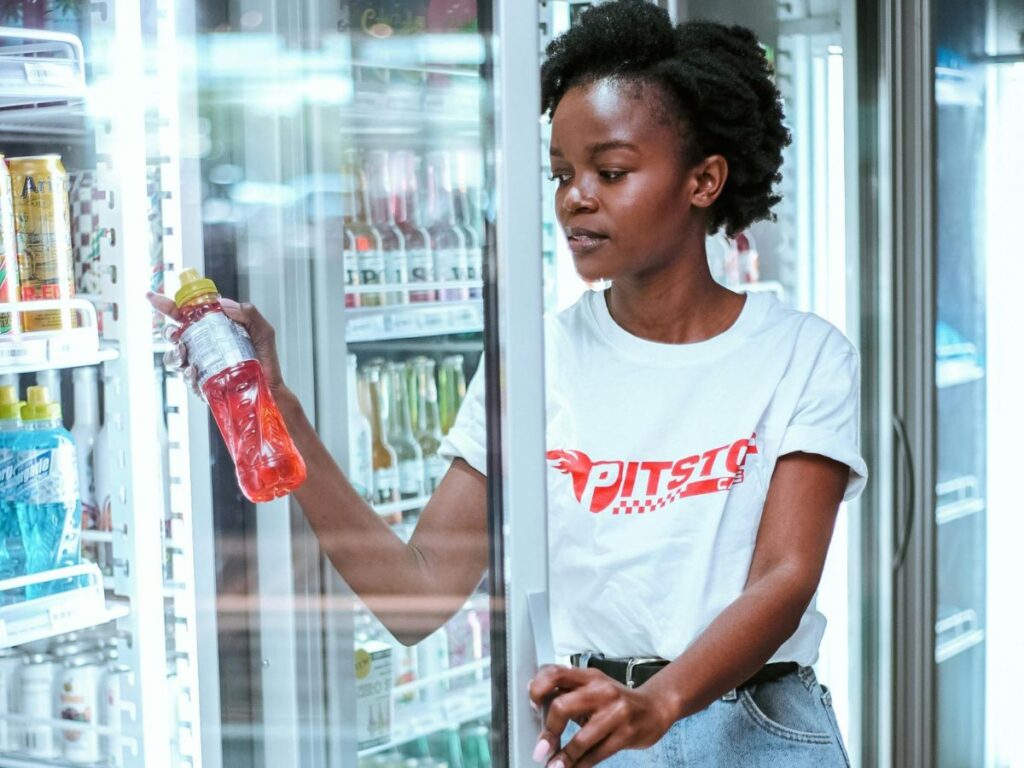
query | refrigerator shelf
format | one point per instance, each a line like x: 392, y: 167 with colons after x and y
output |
x: 950, y: 373
x: 408, y: 321
x: 957, y: 498
x: 51, y: 615
x: 956, y: 633
x: 419, y: 719
x: 30, y: 351
x: 42, y: 81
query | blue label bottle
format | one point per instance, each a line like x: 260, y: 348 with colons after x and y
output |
x: 12, y: 554
x: 44, y: 481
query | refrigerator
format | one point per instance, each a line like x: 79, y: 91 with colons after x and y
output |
x: 291, y: 152
x: 956, y: 524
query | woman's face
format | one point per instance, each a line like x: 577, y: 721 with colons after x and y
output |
x: 624, y: 199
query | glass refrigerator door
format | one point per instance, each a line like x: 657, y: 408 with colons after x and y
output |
x: 97, y: 611
x: 978, y: 92
x: 354, y: 187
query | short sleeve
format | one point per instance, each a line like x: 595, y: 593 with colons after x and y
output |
x: 826, y: 420
x: 467, y: 439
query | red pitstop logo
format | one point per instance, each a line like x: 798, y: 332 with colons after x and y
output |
x: 642, y: 486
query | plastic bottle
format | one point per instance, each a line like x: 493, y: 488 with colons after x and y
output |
x: 360, y: 440
x: 45, y: 489
x: 267, y: 463
x: 12, y: 553
x: 84, y: 432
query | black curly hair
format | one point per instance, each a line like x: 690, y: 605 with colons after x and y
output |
x: 715, y: 83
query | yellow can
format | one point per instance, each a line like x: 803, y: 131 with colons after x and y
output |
x: 42, y: 219
x: 9, y: 292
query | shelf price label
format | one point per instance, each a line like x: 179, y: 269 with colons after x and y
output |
x: 61, y: 616
x: 49, y: 73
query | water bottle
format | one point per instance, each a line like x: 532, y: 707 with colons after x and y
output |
x: 12, y: 554
x: 44, y: 486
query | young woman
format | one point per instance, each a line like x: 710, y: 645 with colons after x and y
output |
x: 699, y: 441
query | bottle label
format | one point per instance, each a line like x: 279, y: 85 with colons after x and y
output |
x: 411, y: 477
x: 215, y: 342
x: 451, y: 265
x: 371, y: 268
x: 474, y: 263
x: 421, y: 266
x: 397, y: 267
x: 385, y: 485
x: 435, y: 470
x: 48, y: 476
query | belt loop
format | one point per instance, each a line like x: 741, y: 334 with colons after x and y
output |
x: 806, y: 675
x: 731, y: 695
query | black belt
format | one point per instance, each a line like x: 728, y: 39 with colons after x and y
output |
x: 636, y: 671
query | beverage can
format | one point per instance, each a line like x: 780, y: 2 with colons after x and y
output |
x: 36, y: 700
x: 10, y: 292
x: 43, y: 223
x: 11, y: 661
x: 78, y: 701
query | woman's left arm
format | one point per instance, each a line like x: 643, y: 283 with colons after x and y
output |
x: 789, y: 555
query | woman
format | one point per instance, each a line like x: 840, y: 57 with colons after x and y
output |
x: 700, y: 441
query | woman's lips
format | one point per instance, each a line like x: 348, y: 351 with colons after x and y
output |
x: 584, y: 244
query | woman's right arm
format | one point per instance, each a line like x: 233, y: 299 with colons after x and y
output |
x: 412, y: 588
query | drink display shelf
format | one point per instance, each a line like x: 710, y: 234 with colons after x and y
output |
x: 952, y: 372
x: 42, y: 81
x: 28, y: 351
x: 414, y: 320
x: 955, y: 634
x: 957, y: 499
x: 419, y: 719
x: 44, y: 617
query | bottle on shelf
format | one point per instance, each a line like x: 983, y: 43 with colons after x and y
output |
x: 452, y: 382
x: 360, y: 439
x: 382, y: 218
x: 12, y: 551
x: 385, y: 461
x: 267, y: 463
x: 401, y: 437
x: 356, y: 214
x: 432, y: 658
x: 404, y: 176
x: 428, y: 420
x: 45, y: 490
x: 467, y: 214
x: 446, y: 240
x: 350, y: 260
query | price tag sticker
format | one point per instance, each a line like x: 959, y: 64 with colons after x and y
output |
x: 49, y: 73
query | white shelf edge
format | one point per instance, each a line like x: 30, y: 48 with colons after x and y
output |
x: 951, y: 648
x: 956, y: 374
x: 955, y: 510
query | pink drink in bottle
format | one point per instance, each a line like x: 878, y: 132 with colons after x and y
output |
x: 266, y: 461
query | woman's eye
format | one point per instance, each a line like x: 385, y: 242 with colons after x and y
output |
x: 612, y: 175
x: 561, y: 178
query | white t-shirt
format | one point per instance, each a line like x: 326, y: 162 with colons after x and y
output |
x: 659, y: 459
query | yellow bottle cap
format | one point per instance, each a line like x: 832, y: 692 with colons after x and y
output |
x: 40, y: 407
x: 193, y: 286
x: 10, y: 405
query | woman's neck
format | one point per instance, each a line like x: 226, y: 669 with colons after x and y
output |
x: 681, y: 304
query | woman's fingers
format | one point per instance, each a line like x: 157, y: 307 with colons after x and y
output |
x: 164, y: 304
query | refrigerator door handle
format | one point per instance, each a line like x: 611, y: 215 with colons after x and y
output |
x: 902, y: 535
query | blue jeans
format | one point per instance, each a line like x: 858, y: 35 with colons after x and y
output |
x: 787, y: 723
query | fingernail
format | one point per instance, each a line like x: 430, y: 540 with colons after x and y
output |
x: 557, y: 764
x: 541, y: 751
x: 533, y: 705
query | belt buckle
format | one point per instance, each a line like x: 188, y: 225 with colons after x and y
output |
x: 582, y: 660
x: 633, y: 662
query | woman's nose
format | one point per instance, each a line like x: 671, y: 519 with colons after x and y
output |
x: 577, y: 199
